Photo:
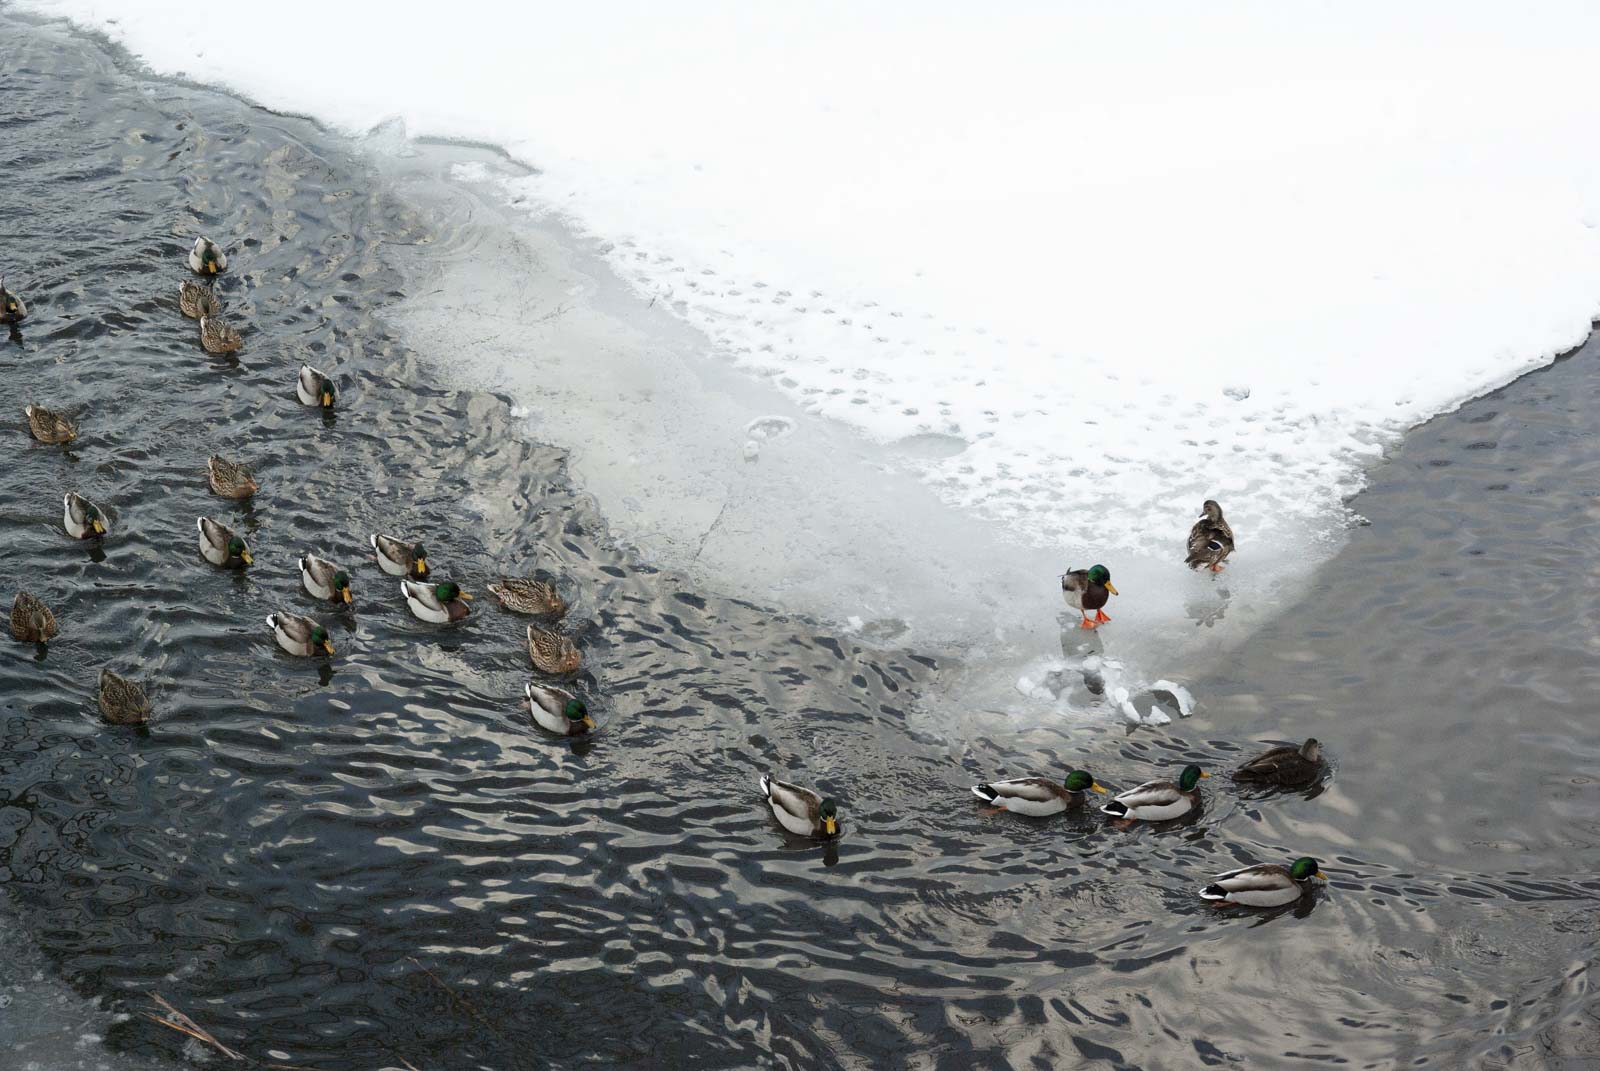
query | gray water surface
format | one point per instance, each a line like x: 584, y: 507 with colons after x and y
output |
x: 376, y: 858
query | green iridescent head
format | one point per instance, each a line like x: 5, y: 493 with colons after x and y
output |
x: 575, y: 710
x: 1081, y: 781
x: 1099, y: 574
x: 829, y: 813
x: 1306, y: 867
x: 1190, y: 777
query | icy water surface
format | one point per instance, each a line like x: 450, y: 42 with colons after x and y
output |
x: 375, y: 859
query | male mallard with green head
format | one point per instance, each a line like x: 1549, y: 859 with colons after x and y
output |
x: 800, y: 810
x: 1088, y: 589
x: 1037, y: 797
x: 552, y: 652
x: 324, y: 580
x: 12, y: 310
x: 49, y: 426
x: 1210, y: 540
x: 558, y: 711
x: 527, y: 596
x: 1265, y: 884
x: 230, y: 479
x: 398, y: 558
x: 218, y: 336
x: 220, y: 546
x: 314, y: 388
x: 81, y: 518
x: 122, y: 702
x: 207, y: 258
x: 1289, y: 767
x: 31, y: 619
x: 299, y: 635
x: 1159, y: 801
x: 437, y: 604
x: 196, y: 301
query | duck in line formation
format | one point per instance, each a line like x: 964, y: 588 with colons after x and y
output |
x: 798, y: 810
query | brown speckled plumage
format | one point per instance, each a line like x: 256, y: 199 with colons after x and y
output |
x: 49, y: 426
x: 552, y: 652
x: 31, y: 619
x: 122, y: 702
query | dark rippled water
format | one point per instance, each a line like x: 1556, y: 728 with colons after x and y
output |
x: 375, y: 859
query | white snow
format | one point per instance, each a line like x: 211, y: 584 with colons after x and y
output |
x: 1082, y: 266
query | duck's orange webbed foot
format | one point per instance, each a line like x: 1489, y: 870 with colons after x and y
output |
x: 990, y: 812
x: 1086, y: 623
x: 1100, y: 617
x: 1216, y: 567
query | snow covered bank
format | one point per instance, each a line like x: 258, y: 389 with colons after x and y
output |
x: 1080, y: 268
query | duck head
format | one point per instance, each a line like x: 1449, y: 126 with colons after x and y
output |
x: 829, y: 813
x: 1081, y: 781
x: 1099, y: 574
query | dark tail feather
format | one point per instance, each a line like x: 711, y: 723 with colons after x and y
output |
x: 985, y: 793
x: 1116, y: 808
x: 1213, y: 892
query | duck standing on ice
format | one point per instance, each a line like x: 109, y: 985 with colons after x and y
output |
x: 1210, y: 540
x: 1088, y: 589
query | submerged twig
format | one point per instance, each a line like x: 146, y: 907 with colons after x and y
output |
x: 176, y: 1020
x: 459, y: 999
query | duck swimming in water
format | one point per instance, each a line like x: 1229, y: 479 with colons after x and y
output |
x: 800, y: 810
x: 1287, y: 767
x: 1159, y: 801
x: 207, y: 258
x: 1265, y: 884
x: 12, y: 310
x: 1038, y: 797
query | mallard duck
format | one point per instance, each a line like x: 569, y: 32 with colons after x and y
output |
x: 1037, y: 797
x: 217, y: 336
x: 552, y: 652
x: 1291, y: 767
x: 437, y: 603
x: 230, y: 479
x: 558, y: 711
x: 1088, y: 589
x: 122, y: 702
x: 81, y: 518
x: 800, y: 810
x: 1158, y: 801
x: 324, y: 580
x: 527, y: 596
x: 314, y: 388
x: 12, y: 310
x: 207, y: 257
x: 220, y: 546
x: 1210, y: 540
x: 400, y: 559
x: 1265, y: 884
x: 31, y: 619
x: 49, y: 426
x: 196, y: 301
x: 299, y: 635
